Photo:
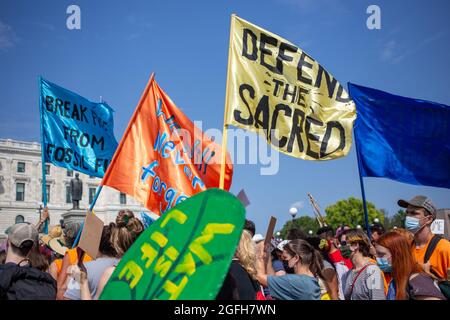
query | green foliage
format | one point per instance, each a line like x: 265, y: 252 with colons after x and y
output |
x: 398, y: 220
x: 350, y: 212
x: 304, y: 223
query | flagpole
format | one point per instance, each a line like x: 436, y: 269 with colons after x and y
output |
x: 225, y: 126
x: 361, y: 183
x: 44, y: 179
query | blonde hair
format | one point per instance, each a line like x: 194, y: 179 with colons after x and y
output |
x: 246, y: 253
x: 125, y: 231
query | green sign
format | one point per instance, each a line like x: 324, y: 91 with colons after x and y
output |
x: 185, y: 254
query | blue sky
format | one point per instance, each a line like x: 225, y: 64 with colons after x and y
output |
x: 185, y: 43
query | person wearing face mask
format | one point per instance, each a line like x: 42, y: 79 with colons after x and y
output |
x: 279, y: 254
x: 406, y: 279
x: 420, y: 214
x: 365, y: 281
x: 303, y: 284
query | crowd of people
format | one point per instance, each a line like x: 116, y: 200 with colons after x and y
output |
x: 409, y: 263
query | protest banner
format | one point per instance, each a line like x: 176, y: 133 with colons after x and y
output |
x: 77, y: 134
x: 403, y: 139
x: 185, y: 254
x: 163, y: 158
x: 277, y: 90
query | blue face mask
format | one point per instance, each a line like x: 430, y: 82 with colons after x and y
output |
x: 412, y: 224
x: 384, y: 265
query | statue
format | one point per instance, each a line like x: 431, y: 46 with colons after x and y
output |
x: 76, y: 191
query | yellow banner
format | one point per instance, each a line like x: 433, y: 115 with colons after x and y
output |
x: 277, y: 90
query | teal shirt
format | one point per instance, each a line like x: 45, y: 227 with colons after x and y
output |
x: 294, y: 287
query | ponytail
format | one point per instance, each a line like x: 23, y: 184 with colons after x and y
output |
x: 308, y: 255
x: 316, y: 264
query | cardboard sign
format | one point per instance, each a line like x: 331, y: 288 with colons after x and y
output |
x: 185, y: 254
x: 91, y: 235
x: 243, y: 197
x: 438, y: 226
x: 269, y: 233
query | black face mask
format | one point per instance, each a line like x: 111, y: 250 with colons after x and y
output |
x: 287, y: 268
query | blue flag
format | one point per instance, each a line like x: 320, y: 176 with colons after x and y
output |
x: 77, y: 133
x: 402, y: 139
x: 146, y: 219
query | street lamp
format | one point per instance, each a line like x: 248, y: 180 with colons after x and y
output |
x: 293, y: 212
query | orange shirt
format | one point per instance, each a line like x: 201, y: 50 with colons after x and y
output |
x: 439, y: 260
x: 58, y: 263
x: 73, y: 256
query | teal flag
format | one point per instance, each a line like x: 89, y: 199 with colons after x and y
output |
x: 77, y: 134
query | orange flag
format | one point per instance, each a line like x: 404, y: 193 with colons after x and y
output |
x: 163, y: 158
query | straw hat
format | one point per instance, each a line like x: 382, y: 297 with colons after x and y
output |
x: 45, y: 238
x: 56, y: 245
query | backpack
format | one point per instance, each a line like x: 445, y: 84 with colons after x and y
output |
x: 25, y: 283
x: 444, y: 285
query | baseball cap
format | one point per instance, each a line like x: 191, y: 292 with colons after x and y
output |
x: 421, y: 202
x: 21, y: 232
x: 281, y: 245
x: 258, y: 237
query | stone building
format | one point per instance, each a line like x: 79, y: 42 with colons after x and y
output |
x: 21, y: 188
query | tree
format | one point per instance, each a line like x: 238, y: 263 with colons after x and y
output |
x: 350, y: 212
x: 304, y: 223
x: 397, y: 220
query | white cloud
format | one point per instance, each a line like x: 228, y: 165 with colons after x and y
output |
x: 298, y: 204
x: 393, y: 52
x: 8, y: 38
x: 389, y: 50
